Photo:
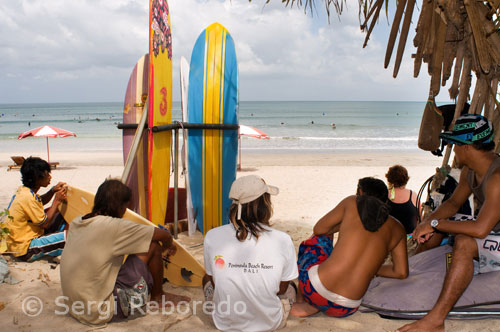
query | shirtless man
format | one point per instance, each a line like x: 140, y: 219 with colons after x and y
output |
x: 473, y: 139
x: 334, y: 280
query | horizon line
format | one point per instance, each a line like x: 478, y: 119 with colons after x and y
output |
x: 270, y: 101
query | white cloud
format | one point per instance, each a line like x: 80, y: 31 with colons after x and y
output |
x: 85, y: 50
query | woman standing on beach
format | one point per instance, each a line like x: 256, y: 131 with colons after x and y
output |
x: 249, y: 265
x: 402, y: 201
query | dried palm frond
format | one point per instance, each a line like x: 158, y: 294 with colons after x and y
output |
x: 338, y: 5
x: 459, y: 36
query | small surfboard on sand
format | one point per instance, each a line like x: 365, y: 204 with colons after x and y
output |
x: 184, y: 105
x: 213, y: 99
x: 159, y: 109
x: 414, y: 297
x: 133, y: 109
x: 182, y: 269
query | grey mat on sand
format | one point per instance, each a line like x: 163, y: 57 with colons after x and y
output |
x: 413, y: 297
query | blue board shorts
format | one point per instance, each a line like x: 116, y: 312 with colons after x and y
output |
x: 50, y: 244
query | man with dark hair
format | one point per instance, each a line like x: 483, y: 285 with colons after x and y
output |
x: 92, y: 274
x: 34, y: 232
x: 373, y: 187
x: 473, y: 139
x: 334, y: 280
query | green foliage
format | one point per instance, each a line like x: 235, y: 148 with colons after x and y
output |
x: 4, y: 216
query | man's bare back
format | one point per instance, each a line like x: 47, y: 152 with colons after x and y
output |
x: 359, y: 253
x: 333, y: 279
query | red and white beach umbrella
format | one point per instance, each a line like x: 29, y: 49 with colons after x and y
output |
x: 46, y: 131
x: 251, y: 132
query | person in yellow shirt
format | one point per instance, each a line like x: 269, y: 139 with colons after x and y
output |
x: 35, y: 232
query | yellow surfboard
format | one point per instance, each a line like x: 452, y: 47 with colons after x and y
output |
x: 159, y: 109
x: 181, y: 269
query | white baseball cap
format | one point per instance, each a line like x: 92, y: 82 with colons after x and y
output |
x: 248, y: 188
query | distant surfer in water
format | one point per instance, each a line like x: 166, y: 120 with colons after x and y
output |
x: 92, y: 273
x: 335, y: 279
x: 35, y: 232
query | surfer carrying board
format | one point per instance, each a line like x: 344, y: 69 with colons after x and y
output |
x: 475, y: 240
x: 35, y: 232
x: 335, y: 279
x: 92, y: 274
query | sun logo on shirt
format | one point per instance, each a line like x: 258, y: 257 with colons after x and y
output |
x: 219, y: 262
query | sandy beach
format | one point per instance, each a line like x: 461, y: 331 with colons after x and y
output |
x: 310, y: 185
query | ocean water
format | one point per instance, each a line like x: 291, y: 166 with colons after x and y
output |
x: 292, y: 126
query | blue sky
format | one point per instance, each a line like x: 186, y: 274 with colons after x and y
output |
x: 84, y: 51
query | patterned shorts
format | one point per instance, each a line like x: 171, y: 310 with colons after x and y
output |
x: 314, y: 251
x: 489, y: 253
x: 132, y: 288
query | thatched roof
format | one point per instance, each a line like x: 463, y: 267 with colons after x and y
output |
x: 455, y: 38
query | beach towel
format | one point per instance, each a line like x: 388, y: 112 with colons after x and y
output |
x: 413, y: 297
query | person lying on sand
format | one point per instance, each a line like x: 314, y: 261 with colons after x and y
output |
x: 249, y: 265
x: 334, y: 280
x: 95, y: 283
x: 35, y: 232
x: 475, y: 240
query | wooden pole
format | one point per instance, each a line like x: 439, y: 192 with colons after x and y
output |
x: 176, y: 182
x: 48, y: 155
x: 135, y: 145
x: 239, y: 152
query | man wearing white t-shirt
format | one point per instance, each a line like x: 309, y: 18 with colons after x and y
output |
x: 249, y: 265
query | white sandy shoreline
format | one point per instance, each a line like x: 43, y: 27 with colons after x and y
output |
x: 253, y: 157
x: 310, y: 185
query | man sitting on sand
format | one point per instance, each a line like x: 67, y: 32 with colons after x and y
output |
x: 475, y: 239
x: 334, y: 280
x: 34, y: 232
x: 92, y: 274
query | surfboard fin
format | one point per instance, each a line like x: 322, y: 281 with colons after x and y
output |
x: 186, y: 274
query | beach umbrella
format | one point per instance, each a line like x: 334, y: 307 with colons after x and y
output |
x: 251, y: 132
x: 46, y: 131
